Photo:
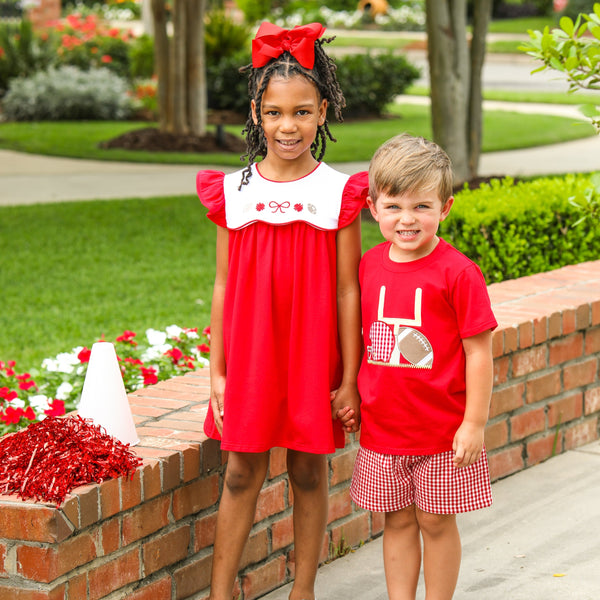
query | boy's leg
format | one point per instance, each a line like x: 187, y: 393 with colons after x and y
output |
x: 308, y: 476
x: 441, y: 554
x: 243, y: 480
x: 401, y: 553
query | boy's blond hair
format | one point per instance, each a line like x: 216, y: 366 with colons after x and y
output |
x: 410, y: 164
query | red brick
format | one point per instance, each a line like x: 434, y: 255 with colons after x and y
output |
x: 191, y: 462
x: 166, y: 549
x: 582, y: 433
x: 565, y: 410
x: 277, y: 462
x: 171, y: 472
x: 580, y: 374
x: 212, y: 457
x: 195, y: 496
x: 506, y: 400
x: 70, y: 508
x: 525, y: 335
x: 342, y: 466
x: 151, y: 479
x: 350, y: 534
x: 271, y: 501
x: 583, y: 317
x: 540, y: 388
x: 565, y: 349
x: 554, y: 325
x: 527, y: 423
x: 592, y: 400
x: 529, y: 361
x: 543, y: 448
x: 264, y: 579
x: 511, y: 339
x: 131, y: 490
x: 204, y: 531
x: 256, y: 549
x: 157, y: 590
x: 339, y: 505
x: 110, y: 499
x: 282, y: 532
x: 146, y: 519
x: 592, y: 341
x: 496, y: 435
x: 498, y: 343
x: 568, y: 321
x: 192, y: 578
x: 3, y: 572
x: 506, y: 462
x: 10, y: 593
x: 111, y: 536
x: 89, y: 504
x: 77, y: 586
x: 114, y: 574
x: 596, y: 312
x: 45, y: 564
x: 377, y: 523
x: 33, y: 523
x: 501, y: 366
x: 540, y: 330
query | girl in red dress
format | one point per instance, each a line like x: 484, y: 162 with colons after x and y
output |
x: 285, y: 320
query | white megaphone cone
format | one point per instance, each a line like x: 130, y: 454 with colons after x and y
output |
x: 104, y: 399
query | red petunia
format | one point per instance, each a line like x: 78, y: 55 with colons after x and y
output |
x: 57, y: 408
x: 84, y: 355
x: 149, y: 375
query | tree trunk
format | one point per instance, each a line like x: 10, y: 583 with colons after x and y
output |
x: 161, y: 62
x: 178, y: 69
x: 196, y: 70
x: 455, y: 80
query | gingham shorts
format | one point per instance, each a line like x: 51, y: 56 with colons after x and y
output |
x: 388, y: 482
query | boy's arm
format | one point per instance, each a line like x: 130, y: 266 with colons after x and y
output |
x: 218, y: 368
x: 468, y: 440
x: 346, y: 403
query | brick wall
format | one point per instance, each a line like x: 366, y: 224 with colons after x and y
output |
x: 150, y: 538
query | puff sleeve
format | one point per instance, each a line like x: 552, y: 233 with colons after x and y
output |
x: 209, y: 186
x: 353, y: 198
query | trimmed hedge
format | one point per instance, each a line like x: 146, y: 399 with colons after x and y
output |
x: 512, y: 230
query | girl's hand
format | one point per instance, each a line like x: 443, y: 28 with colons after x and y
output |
x: 467, y: 444
x: 345, y: 406
x: 217, y: 394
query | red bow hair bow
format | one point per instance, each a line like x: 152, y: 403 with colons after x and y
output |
x: 272, y: 41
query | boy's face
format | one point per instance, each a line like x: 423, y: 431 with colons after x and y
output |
x: 410, y: 222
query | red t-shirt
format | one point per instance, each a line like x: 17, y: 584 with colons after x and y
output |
x: 414, y: 317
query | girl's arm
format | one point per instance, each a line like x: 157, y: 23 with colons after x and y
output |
x: 218, y: 368
x: 468, y: 441
x: 346, y: 403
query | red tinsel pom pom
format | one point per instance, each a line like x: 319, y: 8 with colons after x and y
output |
x: 49, y: 458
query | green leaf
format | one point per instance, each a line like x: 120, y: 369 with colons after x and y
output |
x: 566, y: 24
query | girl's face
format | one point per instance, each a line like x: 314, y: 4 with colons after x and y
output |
x: 291, y: 110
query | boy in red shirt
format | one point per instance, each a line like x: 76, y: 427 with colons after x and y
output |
x: 426, y: 376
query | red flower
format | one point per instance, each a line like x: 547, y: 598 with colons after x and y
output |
x: 204, y: 348
x: 27, y: 385
x: 106, y: 59
x: 260, y: 206
x: 12, y: 416
x: 298, y: 207
x: 8, y: 395
x: 127, y: 337
x: 149, y: 375
x: 133, y: 361
x: 57, y: 408
x: 2, y: 52
x: 175, y: 353
x: 84, y: 355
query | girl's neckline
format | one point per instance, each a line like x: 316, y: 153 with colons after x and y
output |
x: 256, y: 169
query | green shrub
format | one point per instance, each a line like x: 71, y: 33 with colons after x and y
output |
x: 576, y: 7
x: 370, y: 82
x: 223, y: 37
x: 227, y: 88
x: 67, y: 93
x: 141, y: 57
x: 512, y: 230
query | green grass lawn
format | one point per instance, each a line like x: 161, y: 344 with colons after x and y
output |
x: 357, y: 140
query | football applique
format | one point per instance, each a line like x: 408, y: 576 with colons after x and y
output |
x: 415, y: 347
x: 382, y: 342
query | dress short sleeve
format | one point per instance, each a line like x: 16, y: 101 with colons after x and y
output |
x: 209, y: 185
x: 354, y: 198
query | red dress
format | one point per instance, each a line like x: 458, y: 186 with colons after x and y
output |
x: 280, y: 314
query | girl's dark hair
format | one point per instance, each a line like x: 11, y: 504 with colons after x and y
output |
x: 286, y: 66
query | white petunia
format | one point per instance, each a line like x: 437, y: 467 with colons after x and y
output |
x: 155, y: 337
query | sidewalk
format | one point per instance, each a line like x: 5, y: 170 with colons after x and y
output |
x: 539, y: 541
x: 32, y: 179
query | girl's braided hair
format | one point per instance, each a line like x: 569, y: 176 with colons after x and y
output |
x: 286, y: 66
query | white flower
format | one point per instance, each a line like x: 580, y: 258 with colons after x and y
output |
x: 155, y: 352
x: 39, y: 403
x: 64, y: 390
x: 174, y: 331
x: 155, y: 337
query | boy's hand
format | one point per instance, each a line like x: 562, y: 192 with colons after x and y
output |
x: 345, y: 406
x: 467, y: 444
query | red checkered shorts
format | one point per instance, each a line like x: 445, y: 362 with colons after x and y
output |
x: 388, y: 482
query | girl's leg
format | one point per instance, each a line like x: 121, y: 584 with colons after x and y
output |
x: 401, y: 553
x: 244, y: 477
x: 441, y: 554
x: 308, y: 476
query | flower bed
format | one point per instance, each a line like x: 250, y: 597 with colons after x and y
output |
x: 55, y: 388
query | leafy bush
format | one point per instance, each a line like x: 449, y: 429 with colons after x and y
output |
x: 22, y: 52
x: 576, y: 7
x: 512, y: 230
x: 67, y: 93
x: 227, y: 88
x: 141, y: 57
x: 223, y: 37
x: 370, y: 82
